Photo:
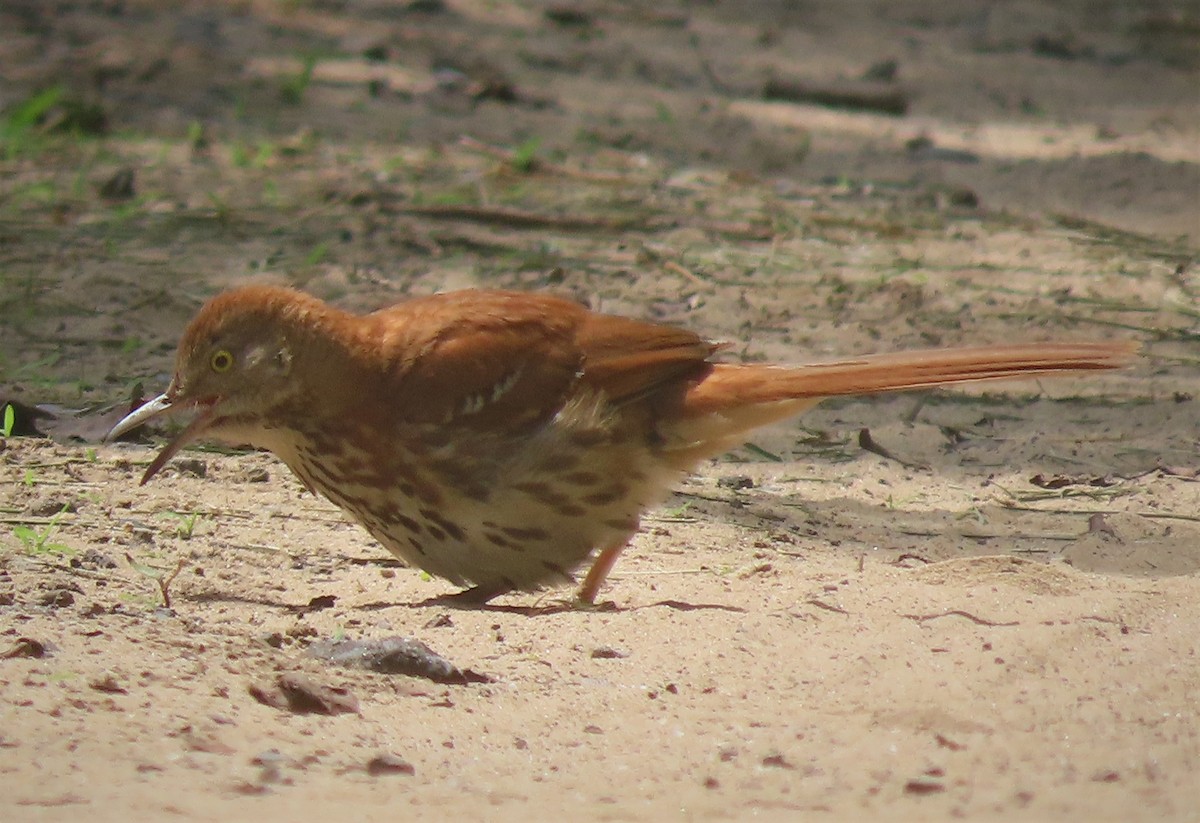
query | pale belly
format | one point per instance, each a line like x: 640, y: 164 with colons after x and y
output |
x: 522, y: 519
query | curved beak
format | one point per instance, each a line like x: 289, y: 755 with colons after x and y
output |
x: 150, y: 409
x: 164, y: 404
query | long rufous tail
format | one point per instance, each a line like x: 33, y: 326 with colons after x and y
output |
x: 733, y: 399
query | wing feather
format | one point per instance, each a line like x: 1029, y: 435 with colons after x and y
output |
x: 510, y: 359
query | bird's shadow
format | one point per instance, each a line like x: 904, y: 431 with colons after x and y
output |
x: 550, y: 607
x: 556, y: 606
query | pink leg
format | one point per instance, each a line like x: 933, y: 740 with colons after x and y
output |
x: 599, y: 571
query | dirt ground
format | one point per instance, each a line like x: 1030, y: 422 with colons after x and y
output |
x: 997, y: 619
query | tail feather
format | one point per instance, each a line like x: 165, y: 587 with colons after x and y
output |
x: 733, y: 399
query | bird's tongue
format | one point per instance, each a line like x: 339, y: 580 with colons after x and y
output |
x: 202, y: 421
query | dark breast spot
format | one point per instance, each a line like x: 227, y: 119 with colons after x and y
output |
x: 500, y: 541
x: 610, y: 494
x: 319, y: 475
x: 478, y: 493
x: 407, y: 522
x: 429, y: 493
x: 448, y: 526
x: 533, y: 489
x: 543, y: 493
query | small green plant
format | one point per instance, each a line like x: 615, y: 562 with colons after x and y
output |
x: 185, y: 525
x: 294, y: 87
x: 244, y: 155
x: 221, y: 208
x: 19, y: 129
x: 10, y: 420
x: 162, y: 577
x: 679, y: 512
x: 37, y: 541
x: 263, y: 154
x: 38, y: 192
x: 524, y: 159
x: 318, y: 253
x: 196, y: 137
x: 240, y: 155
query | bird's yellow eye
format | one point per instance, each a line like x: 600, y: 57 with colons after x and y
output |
x: 222, y: 361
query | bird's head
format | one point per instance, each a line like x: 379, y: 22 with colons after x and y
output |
x: 233, y: 367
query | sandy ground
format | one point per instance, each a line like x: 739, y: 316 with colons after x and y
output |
x: 1000, y: 621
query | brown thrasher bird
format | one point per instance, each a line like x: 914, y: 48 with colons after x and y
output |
x: 498, y: 439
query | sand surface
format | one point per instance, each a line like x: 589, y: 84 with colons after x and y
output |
x: 1000, y: 621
